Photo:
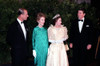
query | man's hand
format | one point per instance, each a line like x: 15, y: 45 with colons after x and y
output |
x: 89, y: 46
x: 71, y: 45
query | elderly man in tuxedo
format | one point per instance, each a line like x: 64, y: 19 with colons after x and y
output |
x: 17, y: 38
x: 81, y: 38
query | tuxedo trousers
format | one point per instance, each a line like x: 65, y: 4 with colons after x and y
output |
x: 19, y: 57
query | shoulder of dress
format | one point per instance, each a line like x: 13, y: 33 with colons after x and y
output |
x: 65, y: 28
x: 50, y: 27
x: 45, y: 28
x: 35, y: 28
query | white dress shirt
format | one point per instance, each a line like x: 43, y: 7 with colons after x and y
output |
x: 23, y: 27
x: 80, y: 25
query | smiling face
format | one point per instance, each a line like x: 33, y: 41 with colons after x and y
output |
x: 41, y: 21
x: 80, y: 14
x: 58, y: 22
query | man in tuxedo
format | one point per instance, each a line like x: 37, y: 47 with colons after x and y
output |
x: 81, y: 36
x: 17, y: 38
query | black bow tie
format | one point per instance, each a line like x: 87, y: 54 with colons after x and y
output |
x: 80, y: 20
x: 22, y: 22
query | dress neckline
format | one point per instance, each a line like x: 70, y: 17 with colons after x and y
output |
x: 40, y: 27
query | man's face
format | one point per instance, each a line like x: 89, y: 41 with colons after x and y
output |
x: 25, y: 15
x: 80, y: 14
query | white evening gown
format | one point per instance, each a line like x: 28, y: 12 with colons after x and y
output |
x: 57, y: 55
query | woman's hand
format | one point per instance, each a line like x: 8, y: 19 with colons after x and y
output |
x: 34, y: 53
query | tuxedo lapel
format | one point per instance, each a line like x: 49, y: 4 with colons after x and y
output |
x: 77, y: 26
x: 84, y: 26
x: 20, y: 29
x: 26, y: 30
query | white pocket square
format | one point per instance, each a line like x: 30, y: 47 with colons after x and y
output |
x: 87, y: 25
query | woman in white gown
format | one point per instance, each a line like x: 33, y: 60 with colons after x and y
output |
x: 57, y: 34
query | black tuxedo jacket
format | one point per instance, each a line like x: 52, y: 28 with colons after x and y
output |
x: 81, y: 40
x: 15, y: 38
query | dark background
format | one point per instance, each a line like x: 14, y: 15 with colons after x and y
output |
x: 66, y: 8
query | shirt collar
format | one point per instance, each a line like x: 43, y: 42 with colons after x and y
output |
x: 19, y: 21
x: 82, y: 19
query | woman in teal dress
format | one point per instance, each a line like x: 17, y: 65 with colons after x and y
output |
x: 40, y: 42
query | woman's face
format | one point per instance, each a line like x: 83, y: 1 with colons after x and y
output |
x: 58, y: 22
x: 41, y: 21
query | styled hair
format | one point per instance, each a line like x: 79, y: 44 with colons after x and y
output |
x: 55, y: 18
x: 82, y: 9
x: 39, y: 15
x: 21, y: 11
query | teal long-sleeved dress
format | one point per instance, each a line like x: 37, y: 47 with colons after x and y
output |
x: 40, y: 45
